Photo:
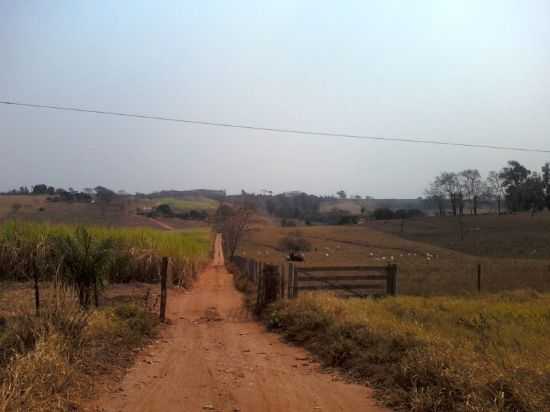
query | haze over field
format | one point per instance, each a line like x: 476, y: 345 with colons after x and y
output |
x: 465, y: 71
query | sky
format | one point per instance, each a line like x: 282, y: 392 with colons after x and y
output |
x: 462, y: 71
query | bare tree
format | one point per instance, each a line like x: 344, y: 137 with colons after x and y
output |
x: 233, y: 222
x: 472, y: 184
x: 436, y: 196
x: 496, y: 189
x: 342, y: 194
x: 449, y: 184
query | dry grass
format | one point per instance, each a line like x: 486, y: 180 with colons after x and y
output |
x: 486, y: 353
x: 117, y: 214
x: 51, y: 362
x: 448, y: 349
x: 186, y: 204
x: 518, y: 236
x: 424, y: 269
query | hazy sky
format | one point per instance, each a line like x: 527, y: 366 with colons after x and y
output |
x: 470, y: 71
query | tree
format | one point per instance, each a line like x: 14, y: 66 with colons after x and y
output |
x: 514, y: 176
x: 533, y: 193
x: 546, y: 183
x: 342, y: 194
x: 233, y: 222
x: 495, y: 189
x: 436, y: 197
x: 104, y: 194
x: 40, y: 189
x: 448, y: 183
x: 473, y: 187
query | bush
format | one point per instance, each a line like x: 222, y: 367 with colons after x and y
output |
x: 295, y: 243
x: 164, y: 210
x: 383, y: 214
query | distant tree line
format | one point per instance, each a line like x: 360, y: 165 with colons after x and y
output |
x: 514, y: 186
x: 100, y: 193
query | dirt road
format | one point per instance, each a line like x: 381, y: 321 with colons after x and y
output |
x: 215, y: 357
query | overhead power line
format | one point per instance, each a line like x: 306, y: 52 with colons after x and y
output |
x: 275, y: 129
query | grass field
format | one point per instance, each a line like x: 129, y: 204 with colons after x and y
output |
x: 424, y: 269
x: 117, y: 214
x: 487, y: 353
x: 54, y: 362
x: 439, y: 345
x: 175, y: 244
x: 180, y: 204
x: 51, y: 361
x: 517, y: 236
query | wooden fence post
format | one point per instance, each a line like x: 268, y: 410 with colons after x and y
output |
x: 281, y: 281
x: 479, y: 277
x: 260, y: 291
x: 163, y: 292
x: 294, y: 282
x: 392, y: 284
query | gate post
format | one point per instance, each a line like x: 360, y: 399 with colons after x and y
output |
x: 392, y: 284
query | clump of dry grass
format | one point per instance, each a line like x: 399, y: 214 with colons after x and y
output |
x: 47, y: 362
x: 487, y: 353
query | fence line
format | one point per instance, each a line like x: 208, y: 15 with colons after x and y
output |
x: 285, y: 281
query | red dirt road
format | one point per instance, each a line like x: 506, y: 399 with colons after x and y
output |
x: 215, y: 357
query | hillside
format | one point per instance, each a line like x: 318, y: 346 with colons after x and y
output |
x: 119, y: 213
